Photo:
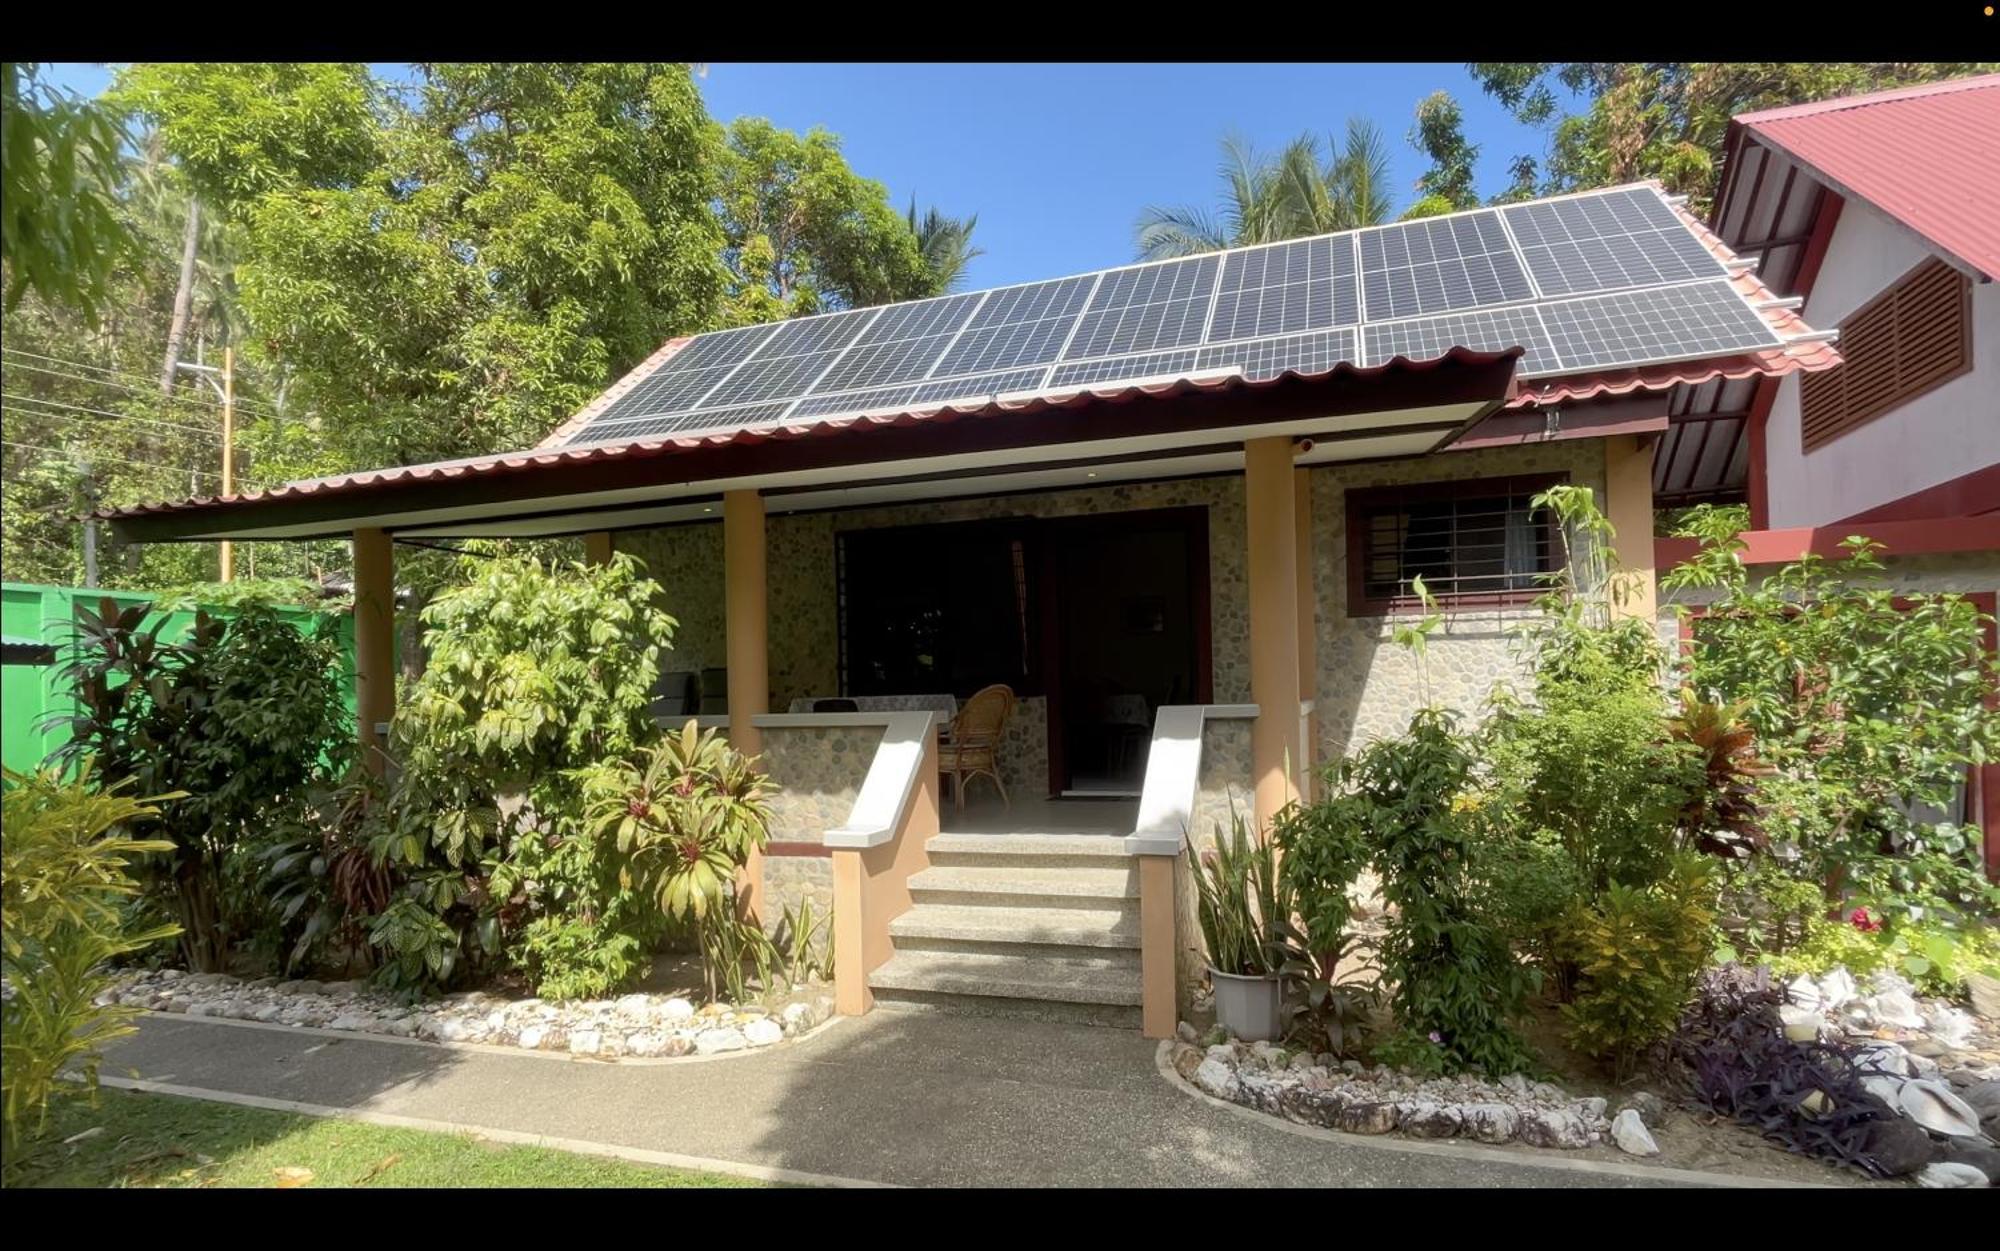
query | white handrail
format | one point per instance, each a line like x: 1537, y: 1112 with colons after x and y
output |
x: 1173, y: 776
x: 893, y: 776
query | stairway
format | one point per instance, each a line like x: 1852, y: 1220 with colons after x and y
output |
x: 1044, y: 926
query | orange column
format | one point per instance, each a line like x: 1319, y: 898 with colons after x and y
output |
x: 1308, y: 623
x: 1156, y: 946
x: 1271, y: 498
x: 597, y: 547
x: 374, y: 640
x: 746, y: 623
x: 1628, y: 505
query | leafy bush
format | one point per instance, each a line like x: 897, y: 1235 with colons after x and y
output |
x: 1241, y: 901
x: 1867, y: 705
x: 320, y: 876
x: 537, y: 675
x: 1332, y: 989
x: 1457, y: 986
x: 1638, y: 952
x: 1936, y: 958
x: 65, y: 874
x: 243, y: 717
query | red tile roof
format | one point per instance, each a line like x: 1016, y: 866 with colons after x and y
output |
x: 1927, y: 156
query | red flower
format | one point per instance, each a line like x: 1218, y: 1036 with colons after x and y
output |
x: 1860, y: 920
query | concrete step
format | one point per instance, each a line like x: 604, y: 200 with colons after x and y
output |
x: 1116, y: 926
x: 1031, y: 886
x: 1027, y: 851
x: 1055, y: 1011
x: 983, y: 975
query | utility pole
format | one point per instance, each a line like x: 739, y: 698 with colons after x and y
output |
x: 225, y: 390
x: 89, y: 524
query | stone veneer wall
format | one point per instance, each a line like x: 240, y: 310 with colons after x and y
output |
x: 1368, y: 686
x: 818, y: 772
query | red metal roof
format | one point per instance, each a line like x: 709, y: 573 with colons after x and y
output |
x: 1927, y: 156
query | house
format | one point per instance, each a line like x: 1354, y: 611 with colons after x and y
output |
x: 1173, y: 506
x: 1879, y: 214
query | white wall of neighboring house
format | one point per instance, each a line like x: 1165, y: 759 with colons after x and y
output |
x: 1944, y: 434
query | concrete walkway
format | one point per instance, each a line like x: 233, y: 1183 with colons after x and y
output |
x: 899, y: 1098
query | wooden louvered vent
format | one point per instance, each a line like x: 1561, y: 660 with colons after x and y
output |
x: 1914, y: 337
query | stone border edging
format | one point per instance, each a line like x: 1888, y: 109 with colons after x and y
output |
x: 1163, y: 1064
x: 500, y: 1049
x: 514, y: 1137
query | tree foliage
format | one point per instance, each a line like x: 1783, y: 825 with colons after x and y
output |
x: 1295, y: 194
x: 1668, y: 120
x: 1439, y: 133
x: 60, y: 232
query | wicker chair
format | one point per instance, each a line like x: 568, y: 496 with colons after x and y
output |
x: 971, y: 747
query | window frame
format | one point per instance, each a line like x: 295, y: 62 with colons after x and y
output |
x: 1825, y: 413
x: 1359, y: 500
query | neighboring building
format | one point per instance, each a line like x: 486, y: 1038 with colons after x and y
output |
x: 1171, y: 505
x: 1881, y: 215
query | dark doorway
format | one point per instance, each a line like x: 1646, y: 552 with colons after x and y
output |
x: 1125, y: 630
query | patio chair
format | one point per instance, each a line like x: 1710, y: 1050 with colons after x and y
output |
x: 971, y: 746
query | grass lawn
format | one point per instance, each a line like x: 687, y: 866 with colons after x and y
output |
x: 162, y: 1140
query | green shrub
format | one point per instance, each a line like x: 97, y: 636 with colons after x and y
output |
x: 1638, y: 952
x: 1241, y: 901
x: 1332, y: 987
x: 1457, y: 987
x: 1936, y: 958
x: 538, y: 674
x: 65, y: 875
x: 244, y: 717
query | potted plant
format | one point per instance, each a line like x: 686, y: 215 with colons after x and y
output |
x: 1243, y: 911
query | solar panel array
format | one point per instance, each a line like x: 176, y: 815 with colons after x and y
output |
x: 1607, y: 279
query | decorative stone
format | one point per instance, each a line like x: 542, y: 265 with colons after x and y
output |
x: 1490, y: 1122
x: 585, y: 1042
x: 1215, y: 1077
x: 1629, y: 1132
x: 1933, y: 1105
x: 1310, y: 1105
x: 1898, y: 1147
x: 1187, y: 1033
x: 1985, y: 993
x: 645, y: 1044
x: 359, y: 1021
x: 1554, y: 1127
x: 1517, y: 1083
x: 343, y: 990
x: 1948, y: 1176
x: 1591, y: 1109
x: 712, y: 1041
x: 796, y: 1016
x: 1836, y: 990
x: 763, y: 1032
x: 1368, y: 1118
x: 635, y: 1005
x: 531, y: 1037
x: 1651, y: 1108
x: 677, y: 1009
x: 1429, y: 1120
x: 1186, y: 1059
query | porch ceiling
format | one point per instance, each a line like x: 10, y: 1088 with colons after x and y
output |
x: 1182, y: 430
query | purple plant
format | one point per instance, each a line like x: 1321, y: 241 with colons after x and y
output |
x: 1805, y: 1096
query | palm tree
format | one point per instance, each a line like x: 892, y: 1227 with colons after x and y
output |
x: 1290, y: 196
x: 946, y: 245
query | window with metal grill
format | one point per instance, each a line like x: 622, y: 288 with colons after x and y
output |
x: 1476, y: 543
x: 1913, y: 338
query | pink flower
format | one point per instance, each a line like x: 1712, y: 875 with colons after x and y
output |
x: 1437, y: 1038
x: 1860, y: 920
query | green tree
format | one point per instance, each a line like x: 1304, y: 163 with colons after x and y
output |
x: 1668, y: 120
x: 1296, y: 194
x: 1439, y: 133
x: 60, y: 233
x: 945, y: 243
x: 805, y: 233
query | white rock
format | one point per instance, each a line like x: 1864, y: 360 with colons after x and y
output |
x: 1801, y: 1024
x: 1803, y: 993
x: 1490, y: 1122
x: 635, y: 1005
x: 1948, y: 1176
x: 1630, y: 1133
x: 586, y: 1042
x: 677, y: 1009
x: 1933, y: 1105
x: 352, y: 1021
x: 531, y: 1037
x: 645, y: 1043
x: 1952, y: 1027
x: 1836, y: 989
x: 1891, y: 1058
x: 711, y: 1041
x: 796, y: 1015
x: 763, y: 1032
x: 1213, y: 1076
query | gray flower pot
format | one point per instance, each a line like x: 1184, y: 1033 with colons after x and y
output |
x: 1248, y: 1007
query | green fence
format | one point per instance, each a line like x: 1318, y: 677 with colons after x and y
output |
x: 46, y: 613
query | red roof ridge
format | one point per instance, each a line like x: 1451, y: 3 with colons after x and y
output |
x: 1977, y: 82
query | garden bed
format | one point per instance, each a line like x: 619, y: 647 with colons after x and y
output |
x: 641, y: 1025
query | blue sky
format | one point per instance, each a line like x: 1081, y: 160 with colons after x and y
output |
x: 1058, y: 160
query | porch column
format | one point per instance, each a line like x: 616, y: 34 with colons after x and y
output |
x: 1270, y: 495
x: 374, y: 640
x: 597, y: 547
x: 1628, y: 505
x: 1308, y: 626
x: 745, y: 624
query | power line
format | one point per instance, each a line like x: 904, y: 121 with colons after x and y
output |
x: 149, y: 388
x: 151, y: 421
x: 120, y: 460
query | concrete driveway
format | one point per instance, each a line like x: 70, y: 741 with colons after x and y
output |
x: 899, y: 1098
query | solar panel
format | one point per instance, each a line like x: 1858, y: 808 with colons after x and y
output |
x: 1604, y: 279
x: 1146, y: 308
x: 1286, y: 288
x: 1604, y: 242
x: 1438, y: 265
x: 1428, y: 338
x: 1662, y: 324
